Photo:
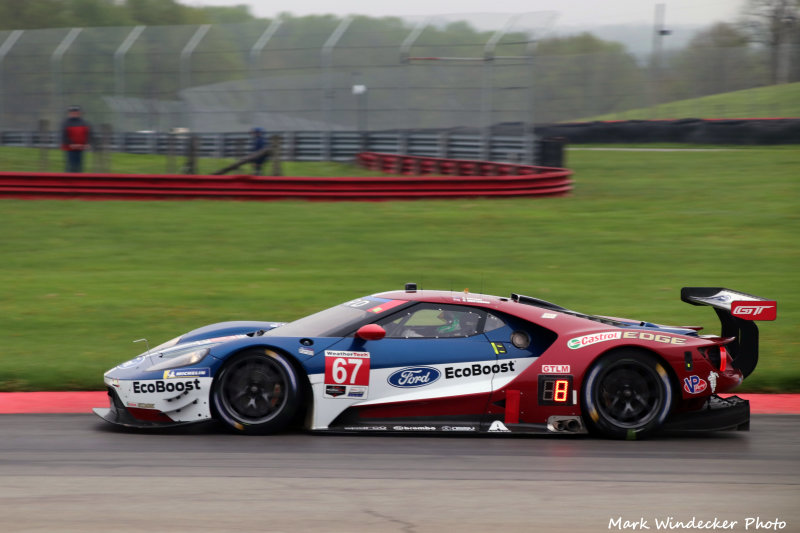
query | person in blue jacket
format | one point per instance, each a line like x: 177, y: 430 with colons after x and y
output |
x: 259, y: 143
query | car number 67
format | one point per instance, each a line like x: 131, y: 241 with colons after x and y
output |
x: 340, y: 368
x: 348, y: 368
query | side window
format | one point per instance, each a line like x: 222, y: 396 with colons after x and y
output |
x: 433, y: 321
x: 493, y: 322
x: 522, y: 334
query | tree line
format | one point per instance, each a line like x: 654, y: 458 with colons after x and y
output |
x: 40, y: 14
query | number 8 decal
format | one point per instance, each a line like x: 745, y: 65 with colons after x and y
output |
x: 562, y: 388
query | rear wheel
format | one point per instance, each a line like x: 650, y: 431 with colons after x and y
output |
x: 627, y: 395
x: 256, y: 392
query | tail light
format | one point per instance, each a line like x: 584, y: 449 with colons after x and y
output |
x: 713, y: 354
x: 717, y: 356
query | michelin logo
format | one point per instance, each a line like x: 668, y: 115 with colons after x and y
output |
x: 187, y: 373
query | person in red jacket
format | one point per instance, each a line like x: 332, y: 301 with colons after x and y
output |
x: 76, y: 135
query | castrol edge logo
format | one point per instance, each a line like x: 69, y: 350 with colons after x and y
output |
x: 588, y: 340
x: 755, y: 310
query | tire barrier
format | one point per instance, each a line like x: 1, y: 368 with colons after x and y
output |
x: 754, y: 131
x: 454, y: 179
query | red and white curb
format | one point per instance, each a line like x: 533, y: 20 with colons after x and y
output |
x: 83, y: 402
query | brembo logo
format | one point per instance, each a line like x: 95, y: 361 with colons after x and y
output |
x: 415, y: 376
x: 755, y: 311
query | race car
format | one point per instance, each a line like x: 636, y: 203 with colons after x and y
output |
x: 418, y: 360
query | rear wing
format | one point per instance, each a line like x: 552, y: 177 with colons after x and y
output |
x: 737, y: 311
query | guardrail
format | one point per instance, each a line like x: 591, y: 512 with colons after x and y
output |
x: 462, y: 179
x: 309, y: 145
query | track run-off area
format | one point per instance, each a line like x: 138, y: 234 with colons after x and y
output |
x: 65, y: 470
x: 75, y: 473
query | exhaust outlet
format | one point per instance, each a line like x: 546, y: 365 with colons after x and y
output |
x: 566, y: 424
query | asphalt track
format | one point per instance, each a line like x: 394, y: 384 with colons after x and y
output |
x: 75, y: 473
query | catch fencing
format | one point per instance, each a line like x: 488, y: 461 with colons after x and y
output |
x: 354, y: 74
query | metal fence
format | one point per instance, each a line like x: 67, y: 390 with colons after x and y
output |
x: 339, y: 75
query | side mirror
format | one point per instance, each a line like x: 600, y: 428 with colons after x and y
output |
x: 371, y: 332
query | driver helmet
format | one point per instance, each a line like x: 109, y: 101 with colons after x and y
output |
x: 451, y: 322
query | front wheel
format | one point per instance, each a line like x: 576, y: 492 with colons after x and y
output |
x: 627, y: 395
x: 257, y: 392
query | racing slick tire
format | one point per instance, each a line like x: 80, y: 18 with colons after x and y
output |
x: 627, y: 394
x: 257, y: 392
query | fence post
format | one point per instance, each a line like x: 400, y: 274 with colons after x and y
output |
x: 655, y: 67
x: 10, y: 41
x: 275, y: 155
x: 405, y: 53
x: 327, y: 150
x: 488, y: 86
x: 186, y: 68
x: 327, y: 97
x: 529, y: 123
x: 102, y: 153
x: 255, y: 53
x: 172, y: 142
x: 191, y: 155
x: 119, y: 60
x: 444, y: 142
x: 291, y: 144
x: 41, y: 140
x: 56, y: 62
x: 402, y: 142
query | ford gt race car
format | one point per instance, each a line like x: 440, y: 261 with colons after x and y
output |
x: 440, y: 361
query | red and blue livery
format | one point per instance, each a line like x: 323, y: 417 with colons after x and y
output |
x: 441, y: 361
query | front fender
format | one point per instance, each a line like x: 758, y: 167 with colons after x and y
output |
x: 224, y: 329
x: 300, y: 349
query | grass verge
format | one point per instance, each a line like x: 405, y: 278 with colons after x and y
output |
x: 80, y: 280
x: 771, y: 101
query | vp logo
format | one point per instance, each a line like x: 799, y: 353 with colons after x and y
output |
x: 694, y: 384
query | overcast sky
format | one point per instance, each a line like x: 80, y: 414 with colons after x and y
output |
x: 570, y: 12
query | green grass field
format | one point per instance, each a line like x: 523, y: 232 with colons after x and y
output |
x: 80, y: 280
x: 51, y: 160
x: 772, y: 101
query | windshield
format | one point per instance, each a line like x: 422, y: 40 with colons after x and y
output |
x: 337, y: 320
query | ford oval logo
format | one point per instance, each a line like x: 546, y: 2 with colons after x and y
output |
x: 414, y: 376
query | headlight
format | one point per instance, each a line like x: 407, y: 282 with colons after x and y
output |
x: 186, y: 359
x: 161, y: 347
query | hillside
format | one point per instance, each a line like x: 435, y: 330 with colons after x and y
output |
x: 772, y: 101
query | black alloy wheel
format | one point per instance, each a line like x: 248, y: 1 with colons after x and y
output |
x: 256, y: 392
x: 627, y: 395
